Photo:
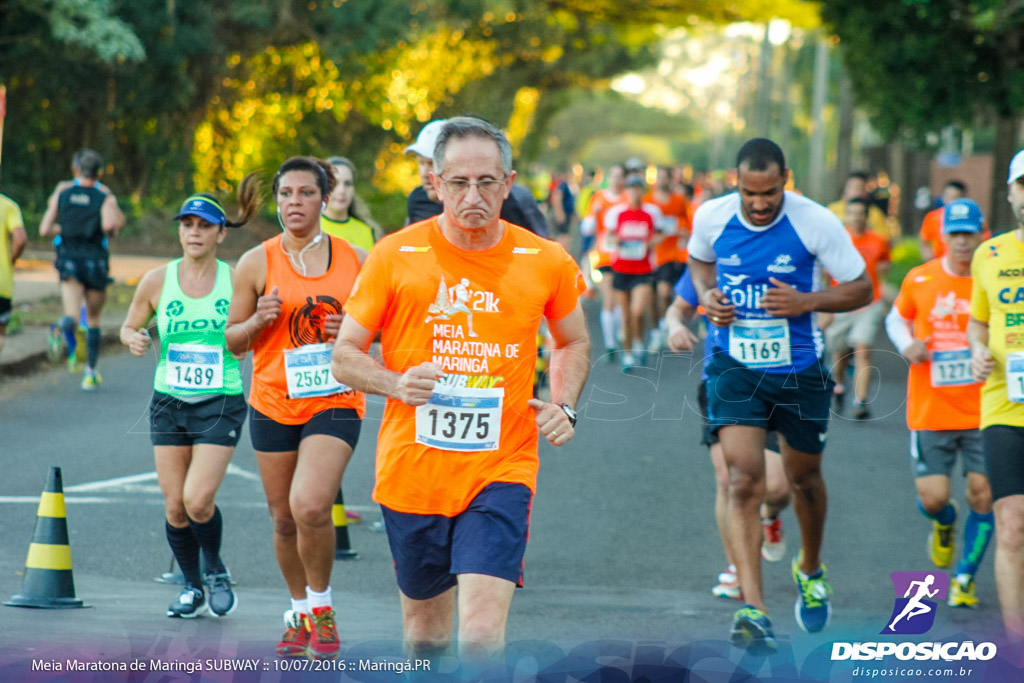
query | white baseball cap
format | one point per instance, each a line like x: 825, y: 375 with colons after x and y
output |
x: 1016, y: 167
x: 427, y: 139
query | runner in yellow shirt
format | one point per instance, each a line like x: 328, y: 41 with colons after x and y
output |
x: 996, y: 337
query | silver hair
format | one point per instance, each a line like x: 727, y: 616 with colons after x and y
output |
x: 471, y: 126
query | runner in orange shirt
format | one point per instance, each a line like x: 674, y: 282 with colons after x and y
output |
x: 458, y: 301
x: 670, y: 255
x: 600, y: 256
x: 858, y: 329
x: 287, y: 307
x: 928, y: 325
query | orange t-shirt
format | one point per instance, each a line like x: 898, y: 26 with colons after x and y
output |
x: 599, y: 205
x: 288, y: 386
x: 875, y: 249
x: 939, y: 303
x: 476, y: 315
x: 673, y: 247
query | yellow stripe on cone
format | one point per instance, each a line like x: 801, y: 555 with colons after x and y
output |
x: 43, y: 556
x: 51, y: 505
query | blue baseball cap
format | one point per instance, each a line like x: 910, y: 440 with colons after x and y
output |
x: 207, y: 208
x: 962, y: 215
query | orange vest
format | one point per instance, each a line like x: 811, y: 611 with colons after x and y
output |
x: 306, y: 301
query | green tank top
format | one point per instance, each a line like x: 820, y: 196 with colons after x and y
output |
x: 194, y: 359
x: 353, y: 231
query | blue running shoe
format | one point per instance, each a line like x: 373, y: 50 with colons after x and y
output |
x: 752, y: 630
x: 812, y: 609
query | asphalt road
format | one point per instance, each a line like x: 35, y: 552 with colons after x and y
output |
x: 622, y: 545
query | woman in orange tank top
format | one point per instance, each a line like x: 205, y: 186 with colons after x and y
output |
x: 287, y: 307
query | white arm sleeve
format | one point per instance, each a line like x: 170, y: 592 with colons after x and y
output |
x: 899, y: 329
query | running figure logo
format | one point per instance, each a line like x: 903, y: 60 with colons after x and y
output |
x: 450, y: 301
x: 306, y: 322
x: 914, y: 613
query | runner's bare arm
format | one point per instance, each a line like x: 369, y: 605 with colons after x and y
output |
x: 982, y: 362
x: 251, y: 311
x: 353, y: 366
x: 720, y: 311
x: 19, y: 238
x: 785, y: 301
x: 134, y: 334
x: 111, y: 216
x: 569, y: 367
x: 570, y: 358
x: 677, y: 317
x: 49, y: 226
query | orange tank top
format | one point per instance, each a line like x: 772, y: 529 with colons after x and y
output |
x: 291, y: 377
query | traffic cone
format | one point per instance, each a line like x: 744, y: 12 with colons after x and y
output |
x: 48, y: 582
x: 342, y: 547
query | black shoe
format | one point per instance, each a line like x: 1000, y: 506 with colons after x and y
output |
x: 189, y: 604
x: 860, y: 412
x: 838, y: 401
x: 222, y: 598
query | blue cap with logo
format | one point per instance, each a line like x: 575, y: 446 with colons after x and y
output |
x: 962, y: 215
x: 207, y: 208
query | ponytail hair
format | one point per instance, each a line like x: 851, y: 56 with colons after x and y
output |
x: 250, y: 199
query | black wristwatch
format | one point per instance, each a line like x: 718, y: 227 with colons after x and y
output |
x: 569, y: 412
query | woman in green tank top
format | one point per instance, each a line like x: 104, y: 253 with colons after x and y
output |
x: 198, y: 409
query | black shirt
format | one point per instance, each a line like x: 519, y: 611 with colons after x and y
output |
x: 79, y: 216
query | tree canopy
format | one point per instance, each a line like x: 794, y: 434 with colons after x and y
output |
x: 180, y: 95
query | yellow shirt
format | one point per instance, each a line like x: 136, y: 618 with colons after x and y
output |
x: 353, y: 231
x: 997, y: 299
x: 876, y: 219
x: 10, y: 220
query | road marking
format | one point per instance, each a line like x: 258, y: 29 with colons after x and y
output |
x: 122, y: 482
x: 244, y: 474
x: 116, y: 482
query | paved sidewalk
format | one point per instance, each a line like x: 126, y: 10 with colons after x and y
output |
x: 35, y: 279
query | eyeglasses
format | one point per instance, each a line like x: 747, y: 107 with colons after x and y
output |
x: 487, y: 187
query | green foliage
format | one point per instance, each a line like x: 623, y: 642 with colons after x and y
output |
x: 176, y: 92
x: 917, y: 66
x: 905, y: 255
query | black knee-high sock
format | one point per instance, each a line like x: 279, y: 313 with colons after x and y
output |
x: 186, y: 552
x: 208, y: 535
x: 92, y: 345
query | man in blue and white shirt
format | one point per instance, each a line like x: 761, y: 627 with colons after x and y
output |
x: 757, y: 258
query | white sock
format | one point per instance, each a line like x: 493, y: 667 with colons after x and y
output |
x: 318, y: 599
x: 300, y: 606
x: 608, y: 328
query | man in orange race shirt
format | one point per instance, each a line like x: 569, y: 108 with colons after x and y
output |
x: 928, y: 325
x: 858, y: 329
x: 457, y: 452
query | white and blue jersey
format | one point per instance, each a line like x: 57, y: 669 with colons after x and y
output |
x: 804, y: 238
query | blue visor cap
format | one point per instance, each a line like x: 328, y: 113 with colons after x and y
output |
x: 962, y: 215
x: 208, y: 209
